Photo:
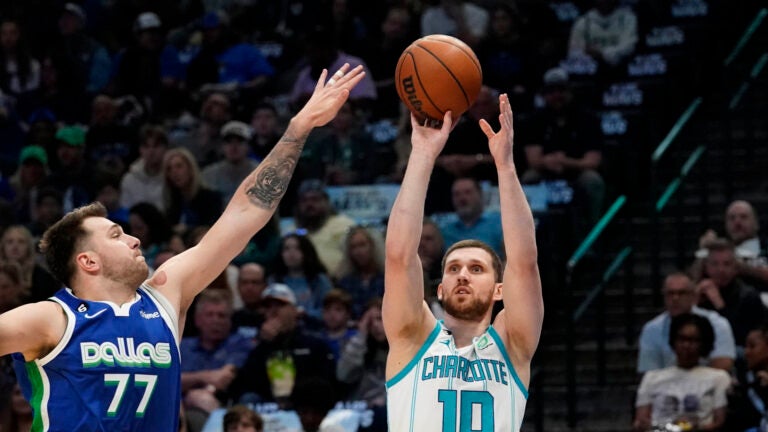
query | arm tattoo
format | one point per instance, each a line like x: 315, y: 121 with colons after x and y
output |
x: 274, y: 173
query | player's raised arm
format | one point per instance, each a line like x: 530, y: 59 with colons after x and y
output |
x: 405, y: 315
x: 32, y: 329
x: 256, y: 200
x: 523, y: 312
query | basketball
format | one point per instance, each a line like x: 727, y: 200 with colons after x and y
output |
x: 438, y: 73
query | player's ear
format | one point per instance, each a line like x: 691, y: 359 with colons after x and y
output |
x: 498, y: 291
x: 87, y: 262
x: 440, y: 292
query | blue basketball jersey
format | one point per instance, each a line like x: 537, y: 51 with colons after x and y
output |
x: 117, y: 368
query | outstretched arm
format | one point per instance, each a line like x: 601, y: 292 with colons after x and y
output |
x: 406, y: 317
x: 520, y: 322
x: 181, y: 278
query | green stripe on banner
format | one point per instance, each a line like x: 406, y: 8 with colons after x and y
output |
x: 692, y: 159
x: 746, y: 36
x: 596, y: 231
x: 612, y: 268
x: 667, y: 194
x: 676, y: 129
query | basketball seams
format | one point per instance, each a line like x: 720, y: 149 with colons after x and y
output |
x: 450, y: 72
x: 424, y: 90
x: 470, y: 54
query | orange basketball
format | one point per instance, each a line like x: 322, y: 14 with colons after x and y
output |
x: 438, y: 73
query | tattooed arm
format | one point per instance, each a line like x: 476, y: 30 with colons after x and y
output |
x: 182, y: 277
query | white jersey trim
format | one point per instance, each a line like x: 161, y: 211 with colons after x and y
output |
x: 65, y: 338
x: 505, y: 353
x: 165, y: 308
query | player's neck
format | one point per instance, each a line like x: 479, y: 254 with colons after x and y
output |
x: 464, y: 331
x: 104, y: 290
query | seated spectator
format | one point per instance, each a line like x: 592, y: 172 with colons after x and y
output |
x: 469, y: 219
x: 431, y: 249
x: 741, y: 228
x: 251, y: 282
x: 747, y: 402
x: 90, y: 58
x: 286, y: 355
x: 13, y: 292
x: 266, y: 130
x: 188, y: 201
x: 110, y: 145
x: 720, y: 289
x: 226, y: 175
x: 71, y: 175
x: 361, y: 272
x: 49, y: 208
x: 562, y: 143
x: 107, y: 192
x: 20, y: 71
x: 299, y: 267
x: 607, y: 33
x: 148, y: 224
x: 17, y: 246
x: 240, y: 418
x: 211, y: 359
x: 680, y: 297
x: 144, y: 180
x: 363, y: 361
x: 347, y: 154
x: 337, y: 315
x: 462, y: 19
x: 264, y: 246
x: 201, y: 136
x: 21, y: 415
x: 27, y: 180
x: 686, y: 394
x: 324, y: 226
x: 313, y: 410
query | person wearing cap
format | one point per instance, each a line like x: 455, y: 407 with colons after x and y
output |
x: 90, y: 57
x: 562, y: 142
x: 28, y: 178
x: 71, y: 176
x: 112, y: 298
x: 326, y: 228
x: 225, y: 63
x: 226, y: 175
x: 287, y: 352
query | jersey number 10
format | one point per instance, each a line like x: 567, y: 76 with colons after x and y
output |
x: 465, y: 401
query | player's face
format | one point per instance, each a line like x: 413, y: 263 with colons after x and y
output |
x: 120, y: 254
x: 468, y: 289
x: 756, y: 350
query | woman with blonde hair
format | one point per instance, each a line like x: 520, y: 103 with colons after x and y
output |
x: 188, y: 202
x: 361, y: 271
x: 17, y: 246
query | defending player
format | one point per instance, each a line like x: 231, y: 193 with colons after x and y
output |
x: 462, y: 373
x: 103, y: 354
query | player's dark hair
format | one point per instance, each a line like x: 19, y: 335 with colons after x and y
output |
x: 463, y: 244
x: 62, y: 239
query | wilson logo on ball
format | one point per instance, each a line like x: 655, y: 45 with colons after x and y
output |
x: 410, y: 91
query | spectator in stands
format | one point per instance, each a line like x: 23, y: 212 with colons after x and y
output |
x: 313, y: 410
x: 324, y: 226
x: 337, y: 316
x: 61, y: 90
x: 749, y: 396
x: 188, y: 202
x: 251, y: 282
x: 431, y: 248
x: 462, y: 156
x: 17, y: 245
x: 323, y: 53
x: 680, y: 297
x: 397, y: 32
x: 144, y: 180
x: 226, y: 175
x: 720, y: 289
x: 469, y: 219
x: 71, y: 175
x: 225, y: 63
x: 91, y: 60
x: 49, y: 208
x: 264, y: 246
x: 203, y: 138
x: 13, y: 291
x: 266, y: 130
x: 363, y: 361
x: 347, y: 154
x: 286, y: 354
x: 19, y: 71
x: 687, y: 393
x: 109, y: 144
x: 742, y: 228
x: 240, y: 418
x: 607, y: 33
x: 562, y: 143
x: 462, y: 19
x: 149, y: 225
x: 299, y: 267
x: 21, y: 415
x: 211, y: 359
x: 27, y: 180
x: 361, y: 272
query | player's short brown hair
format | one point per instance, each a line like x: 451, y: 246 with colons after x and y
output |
x: 63, y: 238
x: 471, y: 243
